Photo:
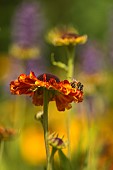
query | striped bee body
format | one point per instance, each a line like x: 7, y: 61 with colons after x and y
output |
x: 77, y: 84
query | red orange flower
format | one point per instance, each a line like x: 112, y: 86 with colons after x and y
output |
x: 60, y: 91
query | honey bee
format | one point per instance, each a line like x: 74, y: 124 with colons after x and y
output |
x: 77, y: 84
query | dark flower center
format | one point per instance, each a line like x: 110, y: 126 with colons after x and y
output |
x: 46, y: 77
x: 70, y: 35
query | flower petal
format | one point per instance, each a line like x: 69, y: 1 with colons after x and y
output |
x: 63, y: 92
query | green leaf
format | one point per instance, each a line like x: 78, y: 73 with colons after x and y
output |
x: 64, y: 161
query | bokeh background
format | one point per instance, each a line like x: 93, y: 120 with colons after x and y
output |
x: 23, y: 47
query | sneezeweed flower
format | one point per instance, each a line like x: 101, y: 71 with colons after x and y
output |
x: 62, y: 92
x: 65, y: 36
x: 56, y: 142
x: 7, y: 133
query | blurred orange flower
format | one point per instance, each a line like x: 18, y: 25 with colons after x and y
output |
x: 60, y: 91
x: 6, y: 133
x: 65, y: 36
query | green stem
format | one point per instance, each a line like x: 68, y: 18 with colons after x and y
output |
x: 45, y: 125
x: 70, y: 65
x: 1, y: 152
x: 58, y: 63
x: 51, y: 162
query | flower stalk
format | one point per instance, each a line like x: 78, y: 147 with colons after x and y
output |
x: 45, y: 125
x: 51, y: 161
x: 70, y: 55
x: 70, y: 65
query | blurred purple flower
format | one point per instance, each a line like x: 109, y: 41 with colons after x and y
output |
x: 27, y: 24
x: 91, y: 67
x: 37, y: 65
x: 27, y: 29
x: 110, y: 38
x: 91, y: 58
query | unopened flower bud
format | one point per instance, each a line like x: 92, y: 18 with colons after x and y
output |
x: 56, y: 142
x: 39, y: 115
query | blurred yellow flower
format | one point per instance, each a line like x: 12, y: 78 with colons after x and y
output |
x: 65, y: 36
x: 4, y: 65
x: 32, y: 145
x: 24, y: 52
x: 32, y: 142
